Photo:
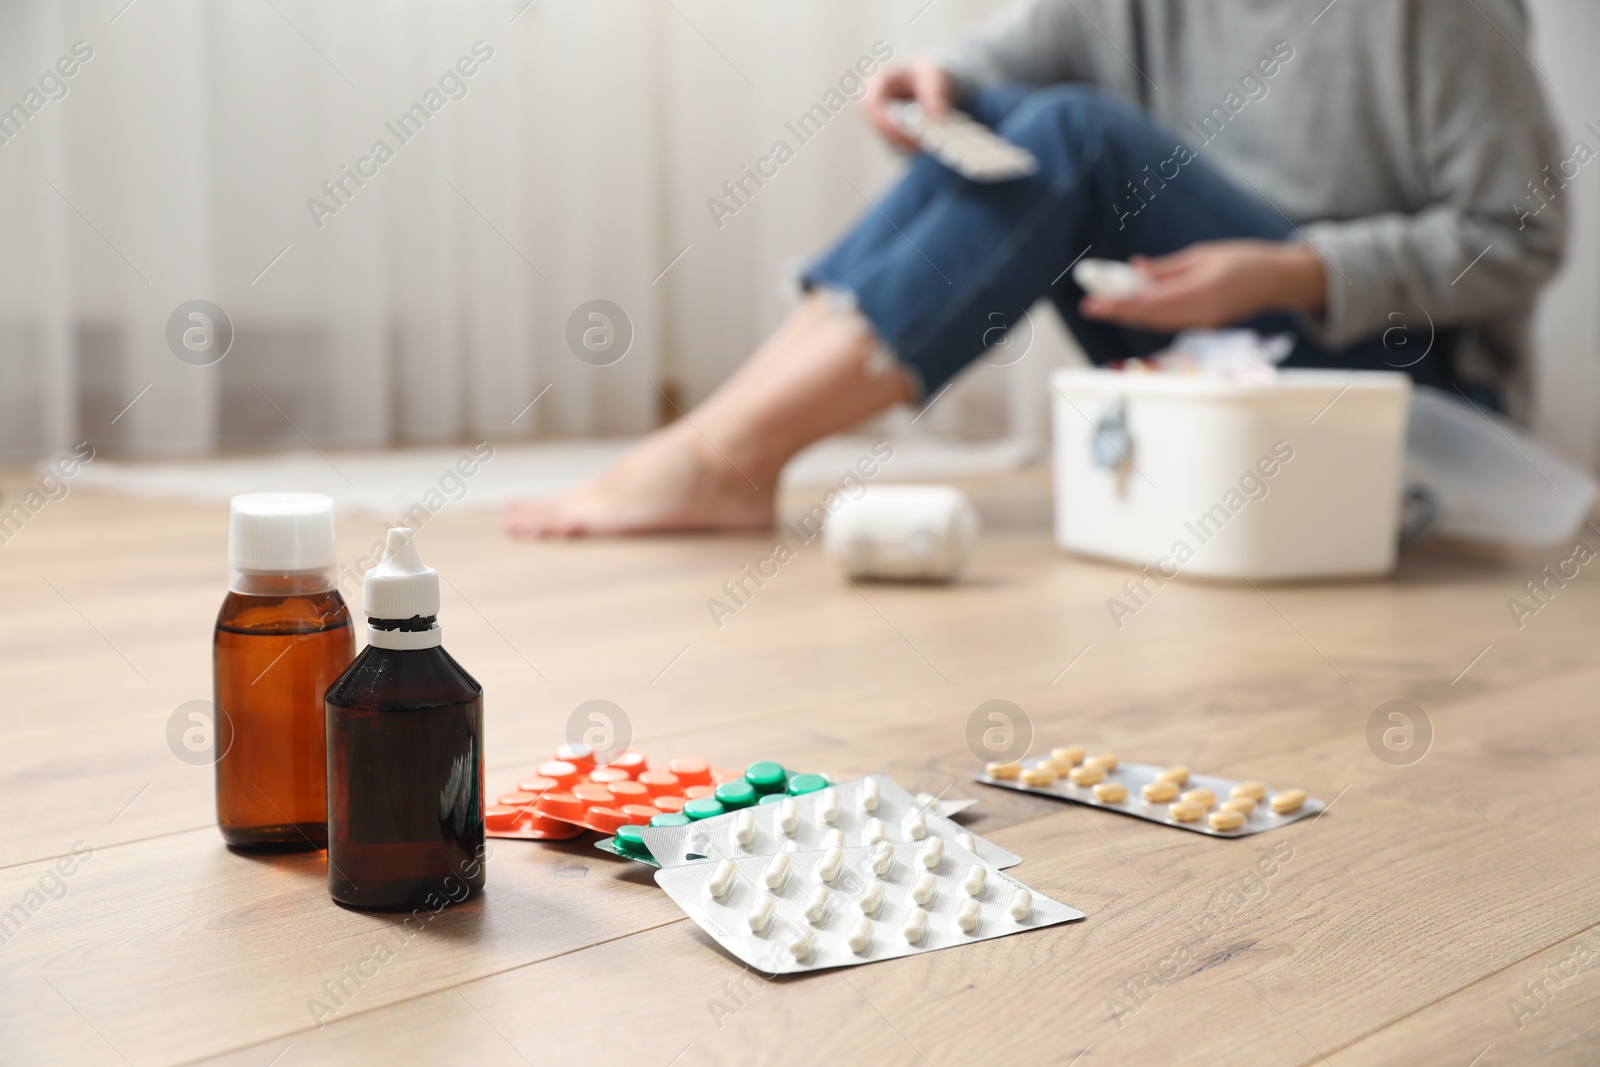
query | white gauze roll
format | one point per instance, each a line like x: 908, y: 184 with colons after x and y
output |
x: 922, y: 532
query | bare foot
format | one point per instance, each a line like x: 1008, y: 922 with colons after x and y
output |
x: 673, y: 480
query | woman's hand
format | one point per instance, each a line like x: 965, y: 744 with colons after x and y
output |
x: 1217, y: 283
x: 921, y: 80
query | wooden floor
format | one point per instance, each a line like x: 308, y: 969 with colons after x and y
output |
x: 1405, y: 926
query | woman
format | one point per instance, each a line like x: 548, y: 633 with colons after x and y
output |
x: 1378, y: 177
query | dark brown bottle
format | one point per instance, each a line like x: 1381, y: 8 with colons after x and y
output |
x: 405, y: 753
x: 282, y: 636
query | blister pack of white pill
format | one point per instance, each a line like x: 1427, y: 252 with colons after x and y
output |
x: 804, y: 911
x: 862, y: 811
x: 1172, y: 796
x: 963, y: 144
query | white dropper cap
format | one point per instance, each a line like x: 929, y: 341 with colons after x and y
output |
x: 401, y: 586
x: 279, y: 533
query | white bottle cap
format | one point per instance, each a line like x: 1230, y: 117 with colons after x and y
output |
x: 280, y: 533
x: 401, y: 586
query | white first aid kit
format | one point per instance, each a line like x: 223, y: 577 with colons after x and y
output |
x: 1293, y: 475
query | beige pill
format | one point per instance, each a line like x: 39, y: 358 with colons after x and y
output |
x: 1086, y: 775
x: 1185, y: 811
x: 1004, y: 771
x: 1111, y: 792
x: 1252, y: 790
x: 1226, y: 819
x: 1203, y: 797
x: 1072, y: 755
x: 1106, y: 762
x: 1037, y: 776
x: 1240, y: 804
x: 1159, y: 792
x: 1175, y: 775
x: 1288, y: 800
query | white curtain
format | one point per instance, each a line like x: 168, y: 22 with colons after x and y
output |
x: 432, y: 305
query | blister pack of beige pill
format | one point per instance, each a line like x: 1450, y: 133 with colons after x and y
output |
x: 1172, y: 796
x: 805, y: 911
x: 863, y: 811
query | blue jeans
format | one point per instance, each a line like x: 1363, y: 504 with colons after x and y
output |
x: 942, y: 264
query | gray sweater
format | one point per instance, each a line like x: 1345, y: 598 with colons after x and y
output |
x: 1408, y: 139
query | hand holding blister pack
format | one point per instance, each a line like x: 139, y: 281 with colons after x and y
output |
x: 962, y: 143
x: 858, y: 813
x: 805, y: 911
x: 1172, y: 796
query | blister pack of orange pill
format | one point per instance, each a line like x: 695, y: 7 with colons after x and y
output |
x: 1172, y: 796
x: 573, y: 792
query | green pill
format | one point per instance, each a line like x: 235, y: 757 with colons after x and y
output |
x: 765, y: 776
x: 734, y: 795
x: 627, y: 838
x: 771, y: 798
x: 671, y: 818
x: 807, y: 783
x: 703, y: 808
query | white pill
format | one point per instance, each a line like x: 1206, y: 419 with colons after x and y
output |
x: 931, y: 853
x: 817, y: 907
x: 973, y: 882
x: 788, y: 816
x: 967, y: 841
x: 916, y: 926
x: 721, y: 881
x: 967, y: 916
x: 800, y: 945
x: 872, y: 899
x: 1021, y: 905
x: 760, y: 916
x: 791, y: 846
x: 828, y: 869
x: 869, y: 795
x: 916, y: 826
x: 922, y: 892
x: 860, y: 936
x: 882, y: 858
x: 873, y: 833
x: 926, y: 800
x: 828, y: 805
x: 777, y: 872
x: 744, y: 826
x: 833, y: 839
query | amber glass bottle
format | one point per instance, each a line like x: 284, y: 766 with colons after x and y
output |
x: 282, y: 637
x: 405, y: 753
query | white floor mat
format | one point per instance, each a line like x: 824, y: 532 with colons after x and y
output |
x: 389, y: 482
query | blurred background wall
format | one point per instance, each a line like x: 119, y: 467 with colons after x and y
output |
x: 574, y: 163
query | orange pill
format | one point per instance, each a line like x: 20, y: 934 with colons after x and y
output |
x: 607, y: 775
x: 629, y: 792
x: 561, y: 806
x: 537, y: 784
x: 518, y: 800
x: 563, y: 772
x: 691, y: 770
x: 641, y: 813
x: 592, y: 793
x: 695, y: 792
x: 630, y: 760
x: 578, y: 754
x: 669, y: 803
x: 660, y: 783
x: 501, y: 817
x: 606, y: 820
x: 723, y: 774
